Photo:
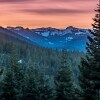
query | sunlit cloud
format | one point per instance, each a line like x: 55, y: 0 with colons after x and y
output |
x: 43, y: 13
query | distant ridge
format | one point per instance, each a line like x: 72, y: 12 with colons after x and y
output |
x: 70, y: 38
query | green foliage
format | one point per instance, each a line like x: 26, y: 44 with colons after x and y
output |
x: 30, y: 91
x: 8, y: 86
x: 44, y: 90
x: 63, y: 81
x: 90, y: 67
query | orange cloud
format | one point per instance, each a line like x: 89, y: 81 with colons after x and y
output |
x: 45, y: 13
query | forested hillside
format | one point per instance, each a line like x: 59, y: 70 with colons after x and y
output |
x: 27, y: 65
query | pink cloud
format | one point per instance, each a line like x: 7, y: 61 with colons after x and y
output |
x: 56, y: 13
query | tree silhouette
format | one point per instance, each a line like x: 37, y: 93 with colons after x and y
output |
x: 90, y: 67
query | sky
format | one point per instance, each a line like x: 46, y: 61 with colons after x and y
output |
x: 47, y: 13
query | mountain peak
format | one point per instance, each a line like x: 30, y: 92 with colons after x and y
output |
x: 17, y: 28
x: 70, y: 27
x: 71, y: 37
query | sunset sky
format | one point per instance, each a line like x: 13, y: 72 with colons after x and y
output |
x: 47, y: 13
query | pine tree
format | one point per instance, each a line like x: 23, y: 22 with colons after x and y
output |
x: 90, y: 67
x: 44, y: 90
x: 9, y: 83
x: 35, y: 85
x: 63, y: 80
x: 8, y: 90
x: 30, y: 86
x: 17, y: 72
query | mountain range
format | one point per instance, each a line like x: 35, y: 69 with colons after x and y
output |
x: 70, y: 38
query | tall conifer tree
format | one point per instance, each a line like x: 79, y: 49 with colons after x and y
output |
x: 90, y: 67
x: 63, y: 80
x: 7, y: 86
x: 30, y: 86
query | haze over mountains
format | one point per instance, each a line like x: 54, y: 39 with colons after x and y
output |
x: 70, y: 38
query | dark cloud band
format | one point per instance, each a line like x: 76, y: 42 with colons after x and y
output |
x: 54, y: 11
x: 9, y: 1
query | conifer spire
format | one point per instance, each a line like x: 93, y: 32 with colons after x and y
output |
x: 90, y: 67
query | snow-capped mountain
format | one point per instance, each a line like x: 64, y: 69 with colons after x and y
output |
x: 70, y: 38
x: 52, y: 31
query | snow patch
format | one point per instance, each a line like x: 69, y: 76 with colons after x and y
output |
x: 79, y: 33
x: 17, y: 29
x: 69, y: 38
x: 20, y: 61
x: 51, y: 43
x: 45, y: 34
x: 27, y: 37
